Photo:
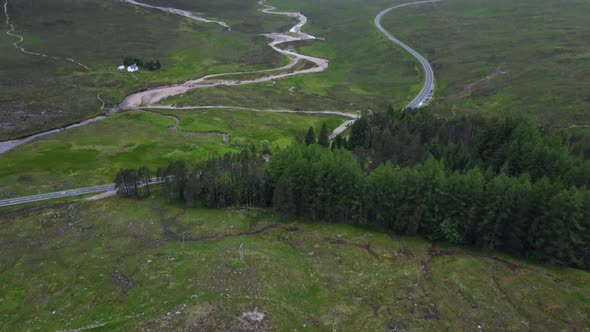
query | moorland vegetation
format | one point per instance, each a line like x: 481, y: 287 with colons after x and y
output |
x: 137, y: 265
x: 413, y: 222
x: 495, y: 184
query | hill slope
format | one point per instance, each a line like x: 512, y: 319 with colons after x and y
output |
x: 126, y: 265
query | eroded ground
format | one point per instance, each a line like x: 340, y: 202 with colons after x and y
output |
x: 150, y: 266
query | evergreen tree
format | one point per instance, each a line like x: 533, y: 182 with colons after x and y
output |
x: 562, y: 229
x: 386, y: 148
x: 128, y: 61
x: 499, y: 185
x: 143, y: 174
x: 359, y: 134
x: 310, y: 137
x: 126, y: 183
x: 323, y: 139
x: 339, y: 143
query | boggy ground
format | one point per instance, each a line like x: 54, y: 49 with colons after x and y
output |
x: 366, y: 71
x: 92, y: 154
x: 529, y: 57
x: 59, y: 92
x: 40, y: 93
x: 150, y: 266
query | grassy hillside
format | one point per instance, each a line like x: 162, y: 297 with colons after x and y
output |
x: 123, y: 265
x: 365, y: 72
x: 92, y: 154
x: 44, y: 92
x: 529, y: 56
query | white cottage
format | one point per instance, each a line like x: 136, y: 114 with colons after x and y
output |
x: 121, y: 68
x: 132, y: 68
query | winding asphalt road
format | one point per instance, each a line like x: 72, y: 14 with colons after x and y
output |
x: 428, y: 89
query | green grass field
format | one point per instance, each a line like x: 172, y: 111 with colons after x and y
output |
x: 92, y: 154
x: 122, y: 265
x: 264, y: 96
x: 528, y: 57
x: 246, y: 128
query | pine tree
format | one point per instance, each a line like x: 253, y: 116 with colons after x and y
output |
x: 390, y: 114
x: 358, y: 133
x: 562, y: 229
x: 144, y: 177
x: 126, y: 183
x: 128, y: 61
x: 323, y: 139
x: 387, y: 145
x: 339, y: 142
x: 310, y: 137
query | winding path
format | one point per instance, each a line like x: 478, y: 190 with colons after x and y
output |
x: 21, y: 39
x: 428, y: 88
x: 147, y: 99
x: 170, y: 107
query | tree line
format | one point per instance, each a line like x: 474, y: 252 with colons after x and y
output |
x: 509, y: 145
x: 133, y: 183
x: 233, y: 179
x: 543, y: 220
x: 465, y: 181
x: 151, y: 65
